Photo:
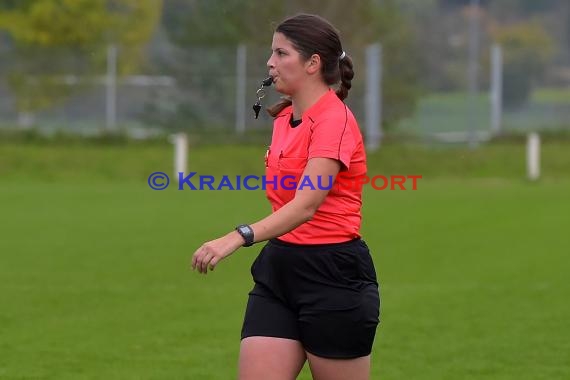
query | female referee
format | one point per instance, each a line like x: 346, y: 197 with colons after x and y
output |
x: 316, y: 294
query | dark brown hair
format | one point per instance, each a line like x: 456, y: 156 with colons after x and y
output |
x: 312, y: 34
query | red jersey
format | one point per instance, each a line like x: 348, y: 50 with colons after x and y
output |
x: 329, y: 130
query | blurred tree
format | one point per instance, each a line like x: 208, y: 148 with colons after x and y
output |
x: 230, y: 22
x: 220, y: 22
x: 443, y: 34
x: 514, y: 6
x: 528, y: 6
x: 527, y: 48
x: 462, y: 3
x: 57, y: 37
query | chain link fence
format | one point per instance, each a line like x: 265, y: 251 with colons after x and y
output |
x: 466, y: 93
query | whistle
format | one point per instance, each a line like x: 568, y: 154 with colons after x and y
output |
x: 267, y: 82
x: 261, y: 94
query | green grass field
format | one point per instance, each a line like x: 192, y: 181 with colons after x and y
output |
x: 95, y: 279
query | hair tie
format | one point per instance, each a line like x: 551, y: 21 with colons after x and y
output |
x: 342, y: 56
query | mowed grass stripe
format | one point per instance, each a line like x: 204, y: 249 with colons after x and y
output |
x: 95, y: 280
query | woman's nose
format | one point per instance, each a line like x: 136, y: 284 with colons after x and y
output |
x: 270, y: 63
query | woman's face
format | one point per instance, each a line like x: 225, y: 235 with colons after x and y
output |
x: 285, y: 65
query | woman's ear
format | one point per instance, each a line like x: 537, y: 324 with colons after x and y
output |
x: 313, y: 64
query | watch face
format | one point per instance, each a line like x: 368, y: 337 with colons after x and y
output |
x: 246, y: 232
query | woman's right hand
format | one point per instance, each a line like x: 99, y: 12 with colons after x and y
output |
x: 211, y: 252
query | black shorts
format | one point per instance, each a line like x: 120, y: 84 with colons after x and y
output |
x: 325, y: 296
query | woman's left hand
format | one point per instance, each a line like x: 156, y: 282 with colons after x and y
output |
x: 211, y: 252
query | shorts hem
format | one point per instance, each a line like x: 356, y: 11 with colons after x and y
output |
x: 269, y: 336
x: 336, y: 356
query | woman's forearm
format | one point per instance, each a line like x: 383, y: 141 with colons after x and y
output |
x: 303, y: 206
x: 287, y: 218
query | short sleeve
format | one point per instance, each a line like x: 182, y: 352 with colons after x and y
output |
x: 332, y: 137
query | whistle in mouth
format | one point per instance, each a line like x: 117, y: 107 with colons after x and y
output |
x: 267, y: 82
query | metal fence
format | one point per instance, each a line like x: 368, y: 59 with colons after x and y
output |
x: 197, y: 89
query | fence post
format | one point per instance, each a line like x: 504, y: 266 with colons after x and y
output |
x: 473, y: 71
x: 180, y: 154
x: 533, y: 156
x: 496, y: 88
x: 111, y: 88
x: 373, y: 105
x: 241, y: 76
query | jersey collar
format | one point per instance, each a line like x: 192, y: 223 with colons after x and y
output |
x: 314, y: 110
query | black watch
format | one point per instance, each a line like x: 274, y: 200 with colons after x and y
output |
x: 246, y: 233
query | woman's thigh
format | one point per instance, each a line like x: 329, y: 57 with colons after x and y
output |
x: 269, y: 358
x: 339, y: 369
